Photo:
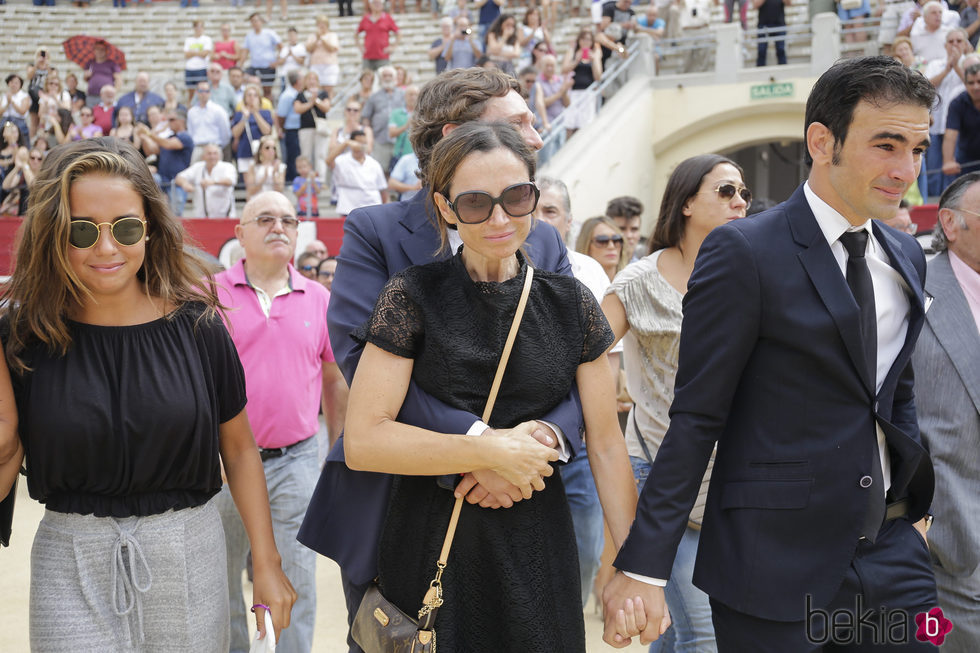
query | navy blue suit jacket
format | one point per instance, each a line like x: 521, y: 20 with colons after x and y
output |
x: 347, y: 510
x: 771, y: 369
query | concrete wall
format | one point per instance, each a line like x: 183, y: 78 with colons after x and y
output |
x: 650, y: 126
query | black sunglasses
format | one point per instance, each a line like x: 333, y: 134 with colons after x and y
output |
x: 83, y: 234
x: 727, y: 192
x: 476, y: 206
x: 602, y: 241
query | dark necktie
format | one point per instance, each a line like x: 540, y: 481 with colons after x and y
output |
x: 859, y: 281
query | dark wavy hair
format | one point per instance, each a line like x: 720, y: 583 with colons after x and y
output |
x: 684, y: 183
x: 43, y: 287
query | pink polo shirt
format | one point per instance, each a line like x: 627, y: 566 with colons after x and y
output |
x: 969, y: 282
x: 283, y: 354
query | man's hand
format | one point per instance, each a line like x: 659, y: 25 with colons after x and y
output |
x: 546, y: 435
x: 486, y: 488
x: 631, y: 608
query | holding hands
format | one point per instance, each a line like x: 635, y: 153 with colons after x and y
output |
x: 488, y: 488
x: 521, y: 459
x: 632, y: 607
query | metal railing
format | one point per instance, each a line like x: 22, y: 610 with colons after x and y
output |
x: 612, y: 79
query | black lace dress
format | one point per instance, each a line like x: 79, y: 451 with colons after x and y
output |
x: 512, y: 582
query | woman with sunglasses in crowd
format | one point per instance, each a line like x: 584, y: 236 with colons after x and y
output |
x: 601, y: 239
x: 512, y: 583
x: 267, y: 171
x: 55, y: 107
x: 84, y: 128
x: 249, y: 125
x: 130, y: 400
x: 643, y: 306
x: 340, y: 141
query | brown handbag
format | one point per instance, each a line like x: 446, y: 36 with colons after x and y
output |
x: 380, y: 626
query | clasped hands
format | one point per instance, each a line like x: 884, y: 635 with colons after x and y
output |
x: 630, y: 608
x: 530, y: 464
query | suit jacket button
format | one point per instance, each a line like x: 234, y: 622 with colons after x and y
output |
x: 865, y: 482
x: 876, y: 406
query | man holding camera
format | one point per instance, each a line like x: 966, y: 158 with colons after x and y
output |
x: 464, y: 48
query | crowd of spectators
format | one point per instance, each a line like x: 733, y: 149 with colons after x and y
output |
x: 243, y: 88
x: 263, y: 101
x: 940, y: 41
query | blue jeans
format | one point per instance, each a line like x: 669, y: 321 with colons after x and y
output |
x: 936, y: 180
x: 290, y: 151
x: 290, y: 480
x: 583, y: 501
x: 176, y: 195
x: 770, y: 31
x: 690, y: 611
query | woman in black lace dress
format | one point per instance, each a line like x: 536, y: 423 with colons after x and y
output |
x: 512, y: 579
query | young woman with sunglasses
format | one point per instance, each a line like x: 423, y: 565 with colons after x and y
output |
x: 340, y: 141
x: 84, y: 128
x: 601, y: 239
x: 249, y: 124
x: 644, y: 307
x: 130, y: 400
x: 511, y: 583
x: 267, y: 171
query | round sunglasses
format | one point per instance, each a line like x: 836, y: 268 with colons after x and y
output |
x: 83, y: 234
x: 476, y: 206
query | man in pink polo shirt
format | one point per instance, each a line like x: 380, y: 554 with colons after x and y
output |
x: 278, y: 321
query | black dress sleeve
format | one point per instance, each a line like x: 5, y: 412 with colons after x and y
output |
x: 396, y: 325
x: 597, y: 334
x: 226, y: 368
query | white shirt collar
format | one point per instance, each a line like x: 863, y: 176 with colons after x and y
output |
x: 831, y: 223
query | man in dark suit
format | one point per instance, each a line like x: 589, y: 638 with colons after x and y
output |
x: 346, y: 513
x: 948, y: 404
x: 798, y: 328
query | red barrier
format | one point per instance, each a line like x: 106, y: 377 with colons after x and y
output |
x: 924, y: 216
x: 211, y: 235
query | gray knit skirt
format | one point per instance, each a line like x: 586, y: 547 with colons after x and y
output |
x: 142, y: 584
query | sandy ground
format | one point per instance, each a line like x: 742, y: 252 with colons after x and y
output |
x: 331, y: 623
